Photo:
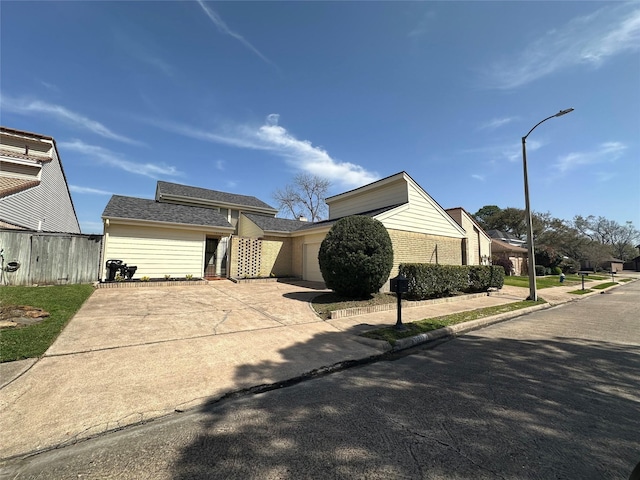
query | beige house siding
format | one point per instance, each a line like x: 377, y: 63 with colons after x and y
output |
x: 477, y: 249
x: 389, y: 194
x: 421, y: 215
x: 246, y: 228
x: 156, y: 251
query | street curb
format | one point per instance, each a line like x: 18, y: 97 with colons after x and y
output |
x: 460, y: 328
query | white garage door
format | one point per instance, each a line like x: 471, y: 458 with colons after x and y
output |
x: 311, y: 266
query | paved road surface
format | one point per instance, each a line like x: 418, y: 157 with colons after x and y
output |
x: 553, y: 394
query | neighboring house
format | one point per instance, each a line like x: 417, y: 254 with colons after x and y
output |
x: 517, y: 255
x: 184, y: 231
x: 188, y: 230
x: 477, y: 245
x: 34, y: 194
x: 506, y: 237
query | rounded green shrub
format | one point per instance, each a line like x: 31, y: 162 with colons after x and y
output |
x: 356, y: 256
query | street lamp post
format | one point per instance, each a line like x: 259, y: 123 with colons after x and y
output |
x: 533, y: 292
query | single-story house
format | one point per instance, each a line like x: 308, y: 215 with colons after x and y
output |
x: 517, y: 255
x: 190, y: 230
x: 34, y: 194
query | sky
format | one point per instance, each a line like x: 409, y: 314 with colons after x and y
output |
x: 242, y: 96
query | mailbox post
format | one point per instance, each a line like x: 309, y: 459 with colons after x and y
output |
x: 583, y: 274
x: 399, y: 285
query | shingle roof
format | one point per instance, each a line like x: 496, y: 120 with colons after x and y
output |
x: 9, y: 186
x: 370, y: 213
x: 501, y: 234
x: 500, y: 246
x: 142, y: 209
x: 167, y: 188
x: 273, y: 224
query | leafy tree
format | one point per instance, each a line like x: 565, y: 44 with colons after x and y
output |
x: 356, y: 256
x: 510, y: 220
x: 620, y: 238
x: 484, y: 215
x: 305, y: 197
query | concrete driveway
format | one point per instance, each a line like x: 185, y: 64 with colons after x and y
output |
x: 134, y: 354
x: 113, y: 318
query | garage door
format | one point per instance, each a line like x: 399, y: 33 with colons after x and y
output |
x: 311, y: 267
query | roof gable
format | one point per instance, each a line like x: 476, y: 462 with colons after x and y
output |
x: 177, y: 193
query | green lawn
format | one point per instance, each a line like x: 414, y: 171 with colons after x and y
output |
x: 62, y: 302
x: 428, y: 324
x: 550, y: 281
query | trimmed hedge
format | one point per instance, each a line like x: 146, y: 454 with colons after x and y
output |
x: 428, y: 280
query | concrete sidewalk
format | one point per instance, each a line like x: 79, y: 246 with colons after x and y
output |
x: 147, y: 358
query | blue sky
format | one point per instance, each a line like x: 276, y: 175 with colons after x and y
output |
x: 241, y: 96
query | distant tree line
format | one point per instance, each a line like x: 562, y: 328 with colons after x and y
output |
x: 566, y: 244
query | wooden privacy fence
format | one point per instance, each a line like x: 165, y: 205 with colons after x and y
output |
x: 49, y: 258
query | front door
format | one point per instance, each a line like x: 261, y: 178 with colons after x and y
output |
x: 210, y: 257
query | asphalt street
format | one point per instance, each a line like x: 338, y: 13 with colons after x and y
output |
x: 552, y: 394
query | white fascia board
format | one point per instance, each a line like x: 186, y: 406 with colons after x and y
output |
x: 394, y: 211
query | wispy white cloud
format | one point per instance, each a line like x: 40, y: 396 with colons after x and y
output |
x: 586, y: 40
x: 482, y: 178
x: 604, y: 153
x: 496, y: 123
x: 220, y: 165
x: 143, y: 51
x: 88, y: 190
x: 423, y: 26
x: 36, y: 107
x: 511, y: 152
x: 273, y: 138
x: 49, y: 86
x: 223, y: 28
x: 107, y: 157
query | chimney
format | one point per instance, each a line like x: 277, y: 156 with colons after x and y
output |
x: 302, y: 218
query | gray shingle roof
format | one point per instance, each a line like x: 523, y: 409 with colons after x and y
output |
x: 143, y: 209
x: 370, y: 213
x: 273, y: 224
x: 167, y: 188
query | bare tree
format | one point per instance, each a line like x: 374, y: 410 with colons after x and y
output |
x: 304, y: 197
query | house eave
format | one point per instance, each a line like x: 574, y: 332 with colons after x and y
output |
x: 158, y: 223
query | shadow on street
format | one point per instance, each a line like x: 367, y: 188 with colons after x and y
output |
x: 470, y: 408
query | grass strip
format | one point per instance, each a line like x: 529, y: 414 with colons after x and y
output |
x: 390, y: 335
x: 328, y: 302
x: 62, y: 302
x: 581, y: 292
x: 602, y: 286
x: 625, y: 280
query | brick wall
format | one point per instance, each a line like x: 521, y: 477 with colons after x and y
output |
x: 410, y: 247
x: 253, y: 257
x: 276, y: 256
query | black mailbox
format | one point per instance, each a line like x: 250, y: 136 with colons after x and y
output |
x: 400, y: 284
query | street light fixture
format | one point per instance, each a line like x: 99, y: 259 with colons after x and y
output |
x: 533, y: 292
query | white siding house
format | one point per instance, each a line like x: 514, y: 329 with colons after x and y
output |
x: 34, y: 194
